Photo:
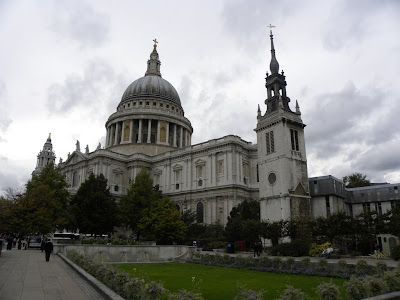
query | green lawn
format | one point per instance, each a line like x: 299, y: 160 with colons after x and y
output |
x: 220, y: 283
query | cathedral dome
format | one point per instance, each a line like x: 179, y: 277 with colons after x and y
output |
x: 152, y: 86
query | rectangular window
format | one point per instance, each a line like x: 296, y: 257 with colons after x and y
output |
x: 328, y: 206
x: 367, y: 207
x: 220, y: 167
x: 315, y: 187
x: 199, y: 171
x: 378, y: 208
x: 294, y: 138
x: 270, y: 143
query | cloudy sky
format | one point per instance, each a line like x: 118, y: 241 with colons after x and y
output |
x: 64, y: 66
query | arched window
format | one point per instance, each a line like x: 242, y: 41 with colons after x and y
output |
x: 200, y: 212
x: 178, y: 207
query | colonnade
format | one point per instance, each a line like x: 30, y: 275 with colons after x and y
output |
x: 150, y: 131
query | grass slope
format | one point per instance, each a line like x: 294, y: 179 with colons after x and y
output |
x: 220, y: 283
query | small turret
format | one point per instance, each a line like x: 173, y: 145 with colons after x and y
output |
x: 45, y: 156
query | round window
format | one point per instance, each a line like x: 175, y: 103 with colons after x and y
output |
x: 272, y: 178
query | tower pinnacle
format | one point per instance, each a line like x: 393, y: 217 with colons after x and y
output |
x: 274, y: 65
x: 153, y: 64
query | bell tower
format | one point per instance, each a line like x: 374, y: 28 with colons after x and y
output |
x: 282, y: 163
x: 45, y: 156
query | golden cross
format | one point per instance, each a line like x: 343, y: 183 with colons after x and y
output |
x: 155, y: 43
x: 270, y: 27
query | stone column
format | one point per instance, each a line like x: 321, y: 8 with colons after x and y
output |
x: 107, y: 136
x: 167, y: 133
x: 158, y: 133
x: 131, y: 132
x: 116, y: 134
x: 140, y: 132
x: 149, y: 132
x: 181, y: 138
x: 174, y: 142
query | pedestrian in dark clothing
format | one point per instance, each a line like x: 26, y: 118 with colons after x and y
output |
x: 9, y: 243
x: 48, y: 248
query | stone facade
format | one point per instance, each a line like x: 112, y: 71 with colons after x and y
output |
x: 149, y: 131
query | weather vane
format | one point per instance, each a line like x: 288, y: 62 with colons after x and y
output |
x: 270, y: 27
x: 155, y: 43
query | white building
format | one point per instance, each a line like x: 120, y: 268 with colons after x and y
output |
x: 149, y: 130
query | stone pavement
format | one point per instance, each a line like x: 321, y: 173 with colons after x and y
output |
x: 25, y: 274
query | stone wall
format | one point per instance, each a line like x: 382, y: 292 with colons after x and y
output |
x: 129, y: 254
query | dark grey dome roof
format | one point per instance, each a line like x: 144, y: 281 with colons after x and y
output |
x: 151, y: 86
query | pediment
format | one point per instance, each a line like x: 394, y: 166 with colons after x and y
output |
x: 177, y: 167
x: 200, y: 162
x: 300, y: 190
x: 74, y: 158
x: 118, y: 171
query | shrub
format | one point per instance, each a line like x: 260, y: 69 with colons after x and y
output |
x: 277, y: 262
x: 134, y: 289
x: 295, y: 248
x: 328, y: 291
x: 227, y: 260
x: 289, y: 263
x: 342, y: 265
x: 356, y: 289
x: 362, y: 267
x: 305, y: 263
x: 322, y: 264
x: 318, y: 249
x: 217, y: 245
x: 265, y: 262
x: 377, y: 285
x: 381, y: 267
x: 392, y: 281
x: 154, y: 290
x: 379, y: 255
x: 248, y: 294
x: 290, y: 293
x: 184, y: 295
x: 395, y: 252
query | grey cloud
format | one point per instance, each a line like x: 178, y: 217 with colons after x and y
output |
x: 78, y: 21
x: 350, y: 21
x: 246, y: 20
x: 5, y: 120
x: 99, y: 86
x: 380, y: 158
x: 334, y: 119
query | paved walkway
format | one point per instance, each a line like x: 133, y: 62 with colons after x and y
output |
x: 25, y: 274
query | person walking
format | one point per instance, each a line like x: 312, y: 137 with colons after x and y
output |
x: 48, y: 248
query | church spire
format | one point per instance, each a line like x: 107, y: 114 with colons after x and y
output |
x: 275, y: 83
x: 153, y: 64
x: 274, y: 65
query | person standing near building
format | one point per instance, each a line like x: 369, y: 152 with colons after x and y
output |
x: 48, y: 248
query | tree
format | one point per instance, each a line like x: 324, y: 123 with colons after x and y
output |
x: 356, y: 180
x: 274, y: 230
x: 163, y: 222
x: 43, y: 207
x: 244, y: 222
x: 93, y: 207
x: 140, y: 196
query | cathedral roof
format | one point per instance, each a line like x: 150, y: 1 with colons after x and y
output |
x: 152, y: 85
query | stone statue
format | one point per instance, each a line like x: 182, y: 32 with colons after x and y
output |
x: 78, y: 146
x: 98, y: 146
x: 87, y: 149
x: 61, y: 161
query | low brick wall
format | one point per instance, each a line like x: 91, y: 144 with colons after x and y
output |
x: 129, y: 254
